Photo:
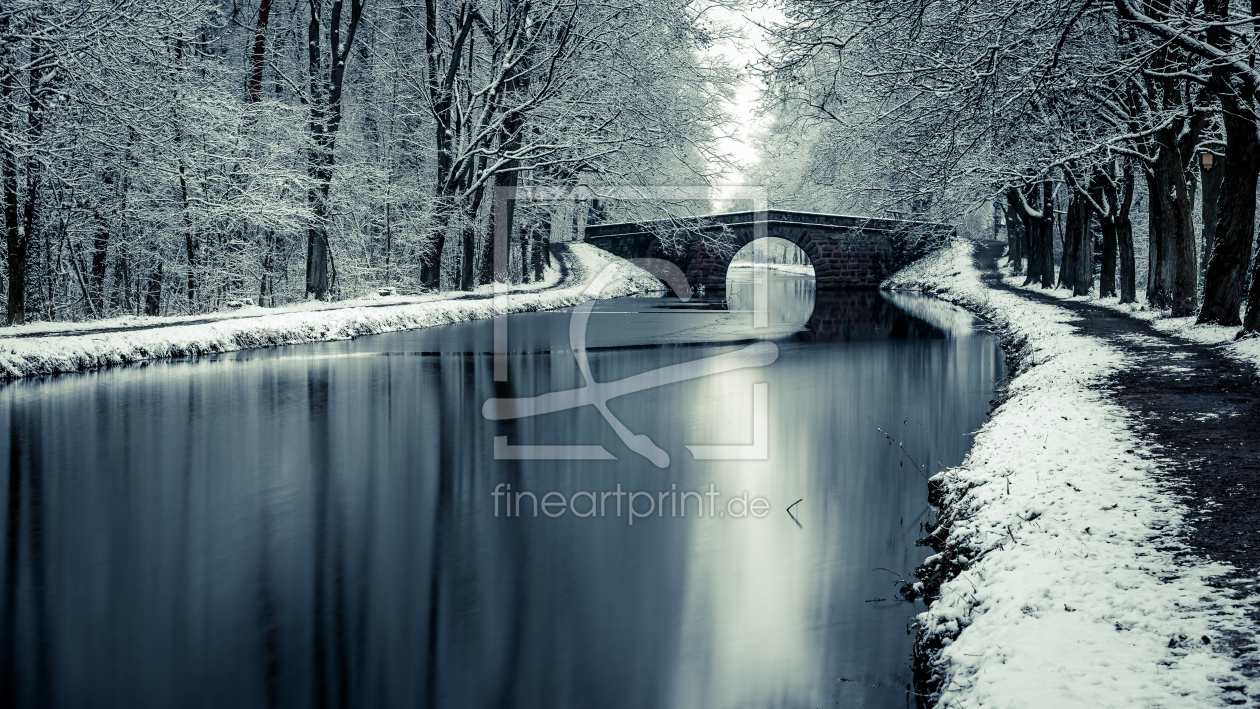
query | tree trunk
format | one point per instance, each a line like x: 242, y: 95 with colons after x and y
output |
x: 15, y: 240
x: 1211, y: 180
x: 542, y: 242
x: 1174, y: 280
x: 318, y: 167
x: 1251, y: 321
x: 1083, y: 279
x: 1039, y: 231
x: 1032, y: 236
x: 1046, y: 223
x: 431, y: 263
x: 1031, y: 228
x: 1128, y: 263
x: 438, y: 89
x: 525, y: 255
x: 153, y: 292
x: 1047, y: 257
x: 468, y: 242
x: 325, y: 102
x: 190, y: 239
x: 253, y: 94
x: 1012, y: 247
x: 266, y: 284
x: 17, y: 243
x: 1107, y: 278
x: 1120, y: 210
x: 502, y: 215
x: 1071, y: 243
x: 258, y: 55
x: 37, y: 91
x: 503, y: 204
x: 1025, y: 241
x: 1235, y: 223
x: 317, y: 281
x: 1160, y: 253
x: 100, y: 252
x: 1228, y: 251
x: 467, y: 262
x: 1235, y: 217
x: 1155, y: 228
x: 1014, y: 237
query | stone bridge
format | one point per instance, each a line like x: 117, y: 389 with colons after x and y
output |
x: 846, y: 252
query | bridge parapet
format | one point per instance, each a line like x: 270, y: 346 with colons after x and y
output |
x: 846, y: 251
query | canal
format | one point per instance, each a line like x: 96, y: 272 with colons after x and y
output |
x: 341, y: 525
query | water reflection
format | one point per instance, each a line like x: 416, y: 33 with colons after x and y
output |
x: 315, y: 526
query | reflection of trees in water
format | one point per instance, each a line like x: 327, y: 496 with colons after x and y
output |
x: 331, y: 664
x: 460, y: 604
x: 268, y: 621
x: 513, y: 542
x: 791, y: 298
x: 443, y: 515
x: 25, y: 523
x: 830, y: 315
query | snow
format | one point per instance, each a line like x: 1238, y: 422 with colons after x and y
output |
x: 795, y: 268
x: 1071, y: 593
x: 1247, y: 350
x: 51, y: 348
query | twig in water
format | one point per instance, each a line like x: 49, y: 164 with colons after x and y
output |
x: 902, y: 446
x: 789, y: 511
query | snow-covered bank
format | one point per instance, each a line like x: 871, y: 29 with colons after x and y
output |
x: 1185, y: 328
x: 794, y: 268
x: 51, y: 348
x: 1060, y: 584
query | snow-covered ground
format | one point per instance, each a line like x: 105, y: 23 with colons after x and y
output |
x: 1248, y: 349
x: 1067, y: 591
x: 799, y: 269
x: 50, y: 348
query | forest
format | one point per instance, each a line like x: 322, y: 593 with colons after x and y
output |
x: 1117, y: 138
x: 169, y: 157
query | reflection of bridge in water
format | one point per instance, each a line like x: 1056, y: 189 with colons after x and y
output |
x: 846, y: 252
x: 841, y: 316
x: 829, y: 315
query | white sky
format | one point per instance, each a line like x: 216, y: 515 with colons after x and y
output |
x: 743, y: 53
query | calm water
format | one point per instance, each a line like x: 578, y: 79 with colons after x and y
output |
x: 315, y: 526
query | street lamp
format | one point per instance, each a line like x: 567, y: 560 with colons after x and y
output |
x: 1206, y: 157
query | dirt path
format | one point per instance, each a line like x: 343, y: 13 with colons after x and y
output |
x: 1200, y: 410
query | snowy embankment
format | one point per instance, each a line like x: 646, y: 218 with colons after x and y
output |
x: 51, y: 348
x: 1059, y: 581
x: 1247, y: 350
x: 794, y: 268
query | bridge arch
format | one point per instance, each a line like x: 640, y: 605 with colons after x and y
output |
x: 779, y: 252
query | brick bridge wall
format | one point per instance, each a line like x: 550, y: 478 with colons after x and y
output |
x: 846, y: 252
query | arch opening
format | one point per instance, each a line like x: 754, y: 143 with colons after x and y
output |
x: 781, y: 256
x: 790, y: 279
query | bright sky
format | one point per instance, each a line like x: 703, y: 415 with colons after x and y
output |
x: 743, y: 53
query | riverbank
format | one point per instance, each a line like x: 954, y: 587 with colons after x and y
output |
x: 54, y: 348
x: 1067, y: 573
x: 793, y: 268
